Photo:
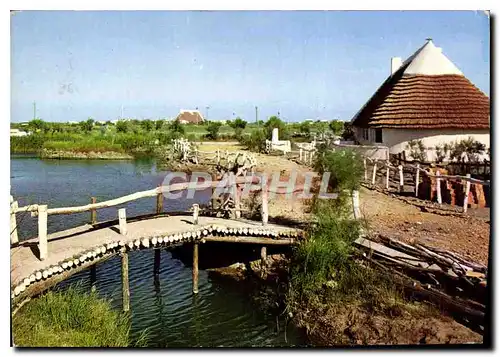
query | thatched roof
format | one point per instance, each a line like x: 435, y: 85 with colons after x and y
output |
x: 427, y: 91
x: 190, y: 116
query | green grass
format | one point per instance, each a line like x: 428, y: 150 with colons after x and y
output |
x: 85, y: 145
x: 71, y: 318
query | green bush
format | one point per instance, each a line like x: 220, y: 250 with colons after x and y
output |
x: 213, y: 130
x: 345, y: 167
x: 27, y: 144
x: 275, y: 122
x: 417, y: 150
x: 71, y: 318
x: 256, y: 141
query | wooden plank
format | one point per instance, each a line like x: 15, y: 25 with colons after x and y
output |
x: 251, y: 240
x: 93, y: 212
x: 374, y: 174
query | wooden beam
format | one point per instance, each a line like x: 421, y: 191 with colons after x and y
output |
x: 264, y: 207
x: 195, y: 268
x: 364, y: 165
x: 125, y: 281
x: 251, y: 240
x: 122, y: 221
x: 263, y: 258
x: 42, y: 231
x: 417, y: 179
x: 374, y: 174
x: 157, y: 262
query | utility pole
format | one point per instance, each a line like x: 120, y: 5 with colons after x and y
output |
x: 256, y: 114
x: 207, y: 112
x: 122, y: 113
x: 34, y: 110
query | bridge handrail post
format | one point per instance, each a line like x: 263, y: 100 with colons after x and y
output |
x: 159, y: 200
x: 42, y: 231
x: 13, y: 222
x: 122, y: 221
x: 93, y: 212
x: 196, y: 212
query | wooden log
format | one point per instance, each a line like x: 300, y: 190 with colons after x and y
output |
x: 93, y: 212
x: 196, y: 212
x: 122, y: 221
x: 466, y: 198
x: 374, y: 174
x: 417, y: 179
x: 387, y: 172
x: 195, y: 268
x: 355, y: 204
x: 401, y: 181
x: 263, y: 257
x: 251, y: 240
x: 42, y: 231
x: 364, y: 165
x: 438, y: 187
x: 159, y: 201
x: 125, y: 282
x: 14, y: 238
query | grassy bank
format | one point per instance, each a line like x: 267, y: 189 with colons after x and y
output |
x: 71, y: 318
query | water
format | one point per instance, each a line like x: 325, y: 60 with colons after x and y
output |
x: 220, y: 315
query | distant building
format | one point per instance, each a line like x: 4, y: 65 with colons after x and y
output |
x: 190, y: 117
x: 17, y: 132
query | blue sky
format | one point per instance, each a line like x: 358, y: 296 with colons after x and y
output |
x: 303, y: 64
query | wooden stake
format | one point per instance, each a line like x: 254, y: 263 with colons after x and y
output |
x: 387, y: 172
x: 417, y: 180
x: 156, y: 266
x: 374, y: 175
x: 13, y: 223
x: 264, y: 207
x: 195, y: 268
x: 159, y: 202
x: 214, y: 199
x: 42, y: 231
x: 236, y: 196
x: 196, y: 212
x: 300, y: 154
x: 364, y: 165
x: 122, y: 221
x: 355, y: 204
x: 263, y: 256
x: 401, y: 182
x: 125, y: 283
x: 438, y: 187
x: 93, y: 212
x: 466, y: 198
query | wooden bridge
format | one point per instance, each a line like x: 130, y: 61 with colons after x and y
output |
x: 41, y: 262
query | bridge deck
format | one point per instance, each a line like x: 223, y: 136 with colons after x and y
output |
x: 63, y: 245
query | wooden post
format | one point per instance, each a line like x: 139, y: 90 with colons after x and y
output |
x: 159, y: 202
x: 195, y: 268
x: 364, y: 164
x: 401, y: 181
x: 93, y: 276
x: 264, y: 207
x: 42, y: 231
x: 300, y: 154
x: 466, y: 198
x: 263, y: 257
x: 196, y: 212
x: 387, y: 172
x: 157, y: 260
x: 417, y: 180
x: 125, y: 283
x: 14, y: 238
x: 355, y: 204
x: 374, y: 175
x: 93, y: 212
x: 438, y: 187
x: 122, y: 221
x: 234, y: 193
x: 213, y: 198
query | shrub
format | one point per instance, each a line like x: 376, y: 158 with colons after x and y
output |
x: 87, y: 125
x: 213, y: 130
x: 467, y: 150
x: 147, y: 125
x: 417, y: 150
x: 27, y: 144
x: 122, y: 126
x: 238, y: 123
x: 305, y: 127
x: 275, y: 122
x: 177, y: 127
x: 256, y: 141
x: 348, y: 133
x: 337, y: 127
x: 442, y: 152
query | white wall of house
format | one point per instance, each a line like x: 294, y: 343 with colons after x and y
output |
x: 397, y: 139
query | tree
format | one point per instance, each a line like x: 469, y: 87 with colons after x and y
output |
x: 147, y: 125
x: 36, y: 125
x: 469, y: 149
x: 176, y: 127
x: 337, y: 126
x: 348, y: 133
x: 305, y: 127
x: 87, y: 125
x: 122, y: 126
x: 159, y: 124
x: 213, y: 130
x: 238, y: 123
x: 275, y: 122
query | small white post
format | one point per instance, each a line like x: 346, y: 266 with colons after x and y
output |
x: 364, y: 164
x: 42, y: 231
x: 374, y: 175
x: 466, y: 198
x: 196, y: 212
x: 417, y: 180
x: 355, y: 204
x: 438, y: 187
x: 387, y: 171
x: 401, y: 182
x: 122, y: 221
x: 13, y: 222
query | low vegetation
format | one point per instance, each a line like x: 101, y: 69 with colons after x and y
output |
x: 71, y: 318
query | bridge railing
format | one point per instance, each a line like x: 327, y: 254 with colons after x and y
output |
x: 42, y: 211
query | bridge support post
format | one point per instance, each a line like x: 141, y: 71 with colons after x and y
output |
x: 93, y: 276
x: 159, y: 201
x: 122, y: 221
x: 93, y: 212
x: 13, y: 222
x: 263, y: 257
x: 42, y: 231
x: 195, y: 268
x: 125, y: 282
x: 196, y: 212
x: 156, y: 267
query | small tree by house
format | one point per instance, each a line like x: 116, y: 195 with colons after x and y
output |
x: 213, y: 130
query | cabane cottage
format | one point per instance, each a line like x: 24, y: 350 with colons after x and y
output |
x: 425, y: 98
x: 190, y: 117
